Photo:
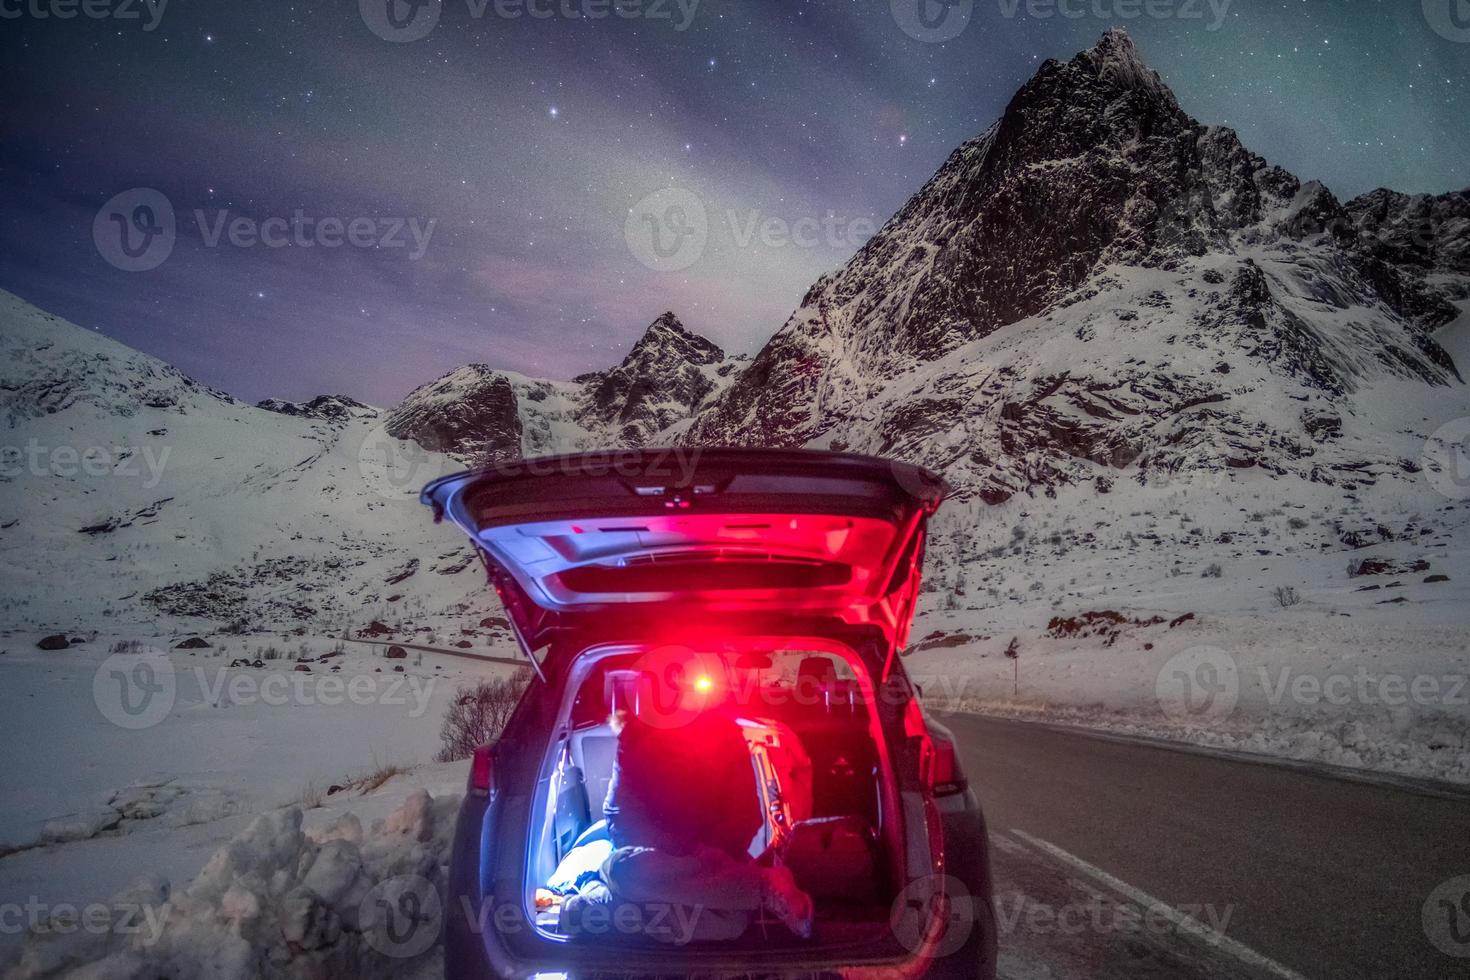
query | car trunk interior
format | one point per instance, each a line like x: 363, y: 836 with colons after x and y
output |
x: 822, y: 775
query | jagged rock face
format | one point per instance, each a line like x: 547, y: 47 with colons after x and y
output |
x: 328, y: 408
x: 663, y: 379
x: 1431, y: 234
x: 1092, y: 161
x: 482, y: 415
x: 471, y: 412
x: 1097, y: 286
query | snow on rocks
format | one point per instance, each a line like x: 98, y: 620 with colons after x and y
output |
x: 278, y: 900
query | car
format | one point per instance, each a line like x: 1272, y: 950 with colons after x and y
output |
x: 778, y: 587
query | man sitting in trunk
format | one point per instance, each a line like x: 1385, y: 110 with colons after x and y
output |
x: 682, y: 809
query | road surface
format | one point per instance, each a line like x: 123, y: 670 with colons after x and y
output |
x: 1303, y: 874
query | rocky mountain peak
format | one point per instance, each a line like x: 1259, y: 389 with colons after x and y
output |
x: 665, y: 377
x: 667, y: 339
x: 1115, y: 61
x: 471, y: 412
x: 329, y: 408
x: 1065, y: 298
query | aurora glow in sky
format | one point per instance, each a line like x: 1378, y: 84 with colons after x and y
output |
x: 520, y: 134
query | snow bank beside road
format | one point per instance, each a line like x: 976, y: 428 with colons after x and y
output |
x: 278, y: 900
x: 1438, y: 750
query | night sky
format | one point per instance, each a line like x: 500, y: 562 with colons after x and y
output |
x: 528, y: 140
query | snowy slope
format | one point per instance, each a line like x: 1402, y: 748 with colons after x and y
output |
x: 132, y: 494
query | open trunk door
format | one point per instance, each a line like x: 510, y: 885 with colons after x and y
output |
x: 709, y: 536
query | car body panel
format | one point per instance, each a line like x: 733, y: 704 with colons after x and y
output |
x: 816, y: 536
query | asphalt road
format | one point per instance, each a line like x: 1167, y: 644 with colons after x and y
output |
x: 1303, y: 874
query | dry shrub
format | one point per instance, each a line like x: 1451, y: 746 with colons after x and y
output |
x: 479, y: 714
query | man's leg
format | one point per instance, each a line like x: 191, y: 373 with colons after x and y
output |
x: 705, y: 897
x: 708, y: 878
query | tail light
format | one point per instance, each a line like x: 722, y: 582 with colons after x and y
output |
x: 481, y: 771
x: 944, y: 768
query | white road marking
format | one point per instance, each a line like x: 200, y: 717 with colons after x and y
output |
x: 1184, y: 922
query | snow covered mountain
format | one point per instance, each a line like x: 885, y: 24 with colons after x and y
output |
x: 154, y: 498
x: 663, y: 381
x: 480, y: 415
x: 1097, y: 295
x: 1100, y: 288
